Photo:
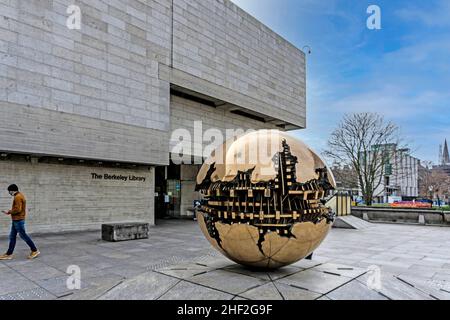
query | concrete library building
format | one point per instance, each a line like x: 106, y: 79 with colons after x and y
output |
x: 93, y: 94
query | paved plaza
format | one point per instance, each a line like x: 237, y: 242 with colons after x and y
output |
x: 178, y: 263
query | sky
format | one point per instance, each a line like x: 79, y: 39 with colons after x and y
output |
x: 401, y: 71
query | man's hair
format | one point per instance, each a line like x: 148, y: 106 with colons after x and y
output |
x: 13, y: 188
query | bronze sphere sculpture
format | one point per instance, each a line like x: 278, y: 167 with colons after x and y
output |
x: 265, y: 214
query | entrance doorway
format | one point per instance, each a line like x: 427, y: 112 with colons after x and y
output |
x: 160, y: 192
x: 175, y: 191
x: 167, y: 191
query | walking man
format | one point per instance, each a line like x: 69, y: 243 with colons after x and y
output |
x: 18, y: 213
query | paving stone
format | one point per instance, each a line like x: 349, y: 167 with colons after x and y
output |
x: 263, y: 275
x: 189, y: 291
x: 421, y: 271
x: 436, y: 289
x: 342, y: 270
x: 94, y: 292
x: 265, y: 292
x: 306, y: 264
x: 116, y: 255
x: 58, y: 286
x: 442, y: 277
x: 397, y: 249
x: 316, y: 281
x: 283, y: 272
x: 36, y: 270
x: 395, y: 289
x: 279, y: 291
x: 138, y: 251
x: 104, y: 279
x: 184, y: 271
x: 125, y: 270
x: 226, y: 281
x: 240, y: 298
x: 321, y: 258
x: 148, y: 286
x: 16, y: 285
x: 31, y: 294
x: 12, y: 281
x: 292, y: 293
x: 98, y: 262
x: 355, y: 290
x: 16, y: 261
x: 95, y: 287
x: 216, y: 262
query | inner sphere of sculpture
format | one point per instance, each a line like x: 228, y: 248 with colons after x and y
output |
x: 267, y: 212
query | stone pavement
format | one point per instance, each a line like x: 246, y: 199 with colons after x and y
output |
x: 178, y: 263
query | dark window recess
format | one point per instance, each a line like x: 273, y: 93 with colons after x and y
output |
x: 191, y: 97
x: 173, y: 172
x: 248, y: 115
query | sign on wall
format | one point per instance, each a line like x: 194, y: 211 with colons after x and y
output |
x: 114, y: 177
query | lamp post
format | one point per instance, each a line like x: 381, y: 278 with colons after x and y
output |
x: 431, y: 188
x: 309, y: 51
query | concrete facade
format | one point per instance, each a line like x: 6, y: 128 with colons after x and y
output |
x: 185, y: 113
x: 220, y: 43
x: 401, y: 177
x: 62, y: 197
x: 103, y: 92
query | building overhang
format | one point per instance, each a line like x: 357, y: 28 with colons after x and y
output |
x: 229, y: 107
x: 216, y: 96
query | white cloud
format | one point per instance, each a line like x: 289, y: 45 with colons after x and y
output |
x: 393, y: 102
x: 439, y: 16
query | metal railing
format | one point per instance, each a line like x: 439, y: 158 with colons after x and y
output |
x: 341, y: 204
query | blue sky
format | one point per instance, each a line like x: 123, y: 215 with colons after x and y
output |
x: 401, y: 71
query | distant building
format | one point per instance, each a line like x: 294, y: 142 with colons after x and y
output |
x: 444, y: 156
x: 400, y: 179
x: 346, y: 179
x: 441, y: 174
x: 434, y: 183
x: 444, y: 159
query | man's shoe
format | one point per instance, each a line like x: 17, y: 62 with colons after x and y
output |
x: 6, y: 257
x: 34, y: 255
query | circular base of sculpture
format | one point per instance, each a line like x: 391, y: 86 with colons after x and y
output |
x: 252, y: 247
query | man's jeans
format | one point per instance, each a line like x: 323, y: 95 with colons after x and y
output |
x: 18, y: 227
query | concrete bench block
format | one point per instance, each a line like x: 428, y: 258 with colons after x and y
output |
x: 422, y: 219
x: 447, y: 218
x: 435, y: 218
x: 124, y: 231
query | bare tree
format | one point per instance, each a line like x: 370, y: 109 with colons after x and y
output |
x: 366, y: 143
x: 433, y: 182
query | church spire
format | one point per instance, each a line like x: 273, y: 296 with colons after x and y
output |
x: 445, y: 154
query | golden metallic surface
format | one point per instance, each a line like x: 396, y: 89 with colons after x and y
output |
x: 240, y: 243
x: 248, y: 145
x: 265, y: 214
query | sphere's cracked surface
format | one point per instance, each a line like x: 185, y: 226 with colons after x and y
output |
x: 265, y: 214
